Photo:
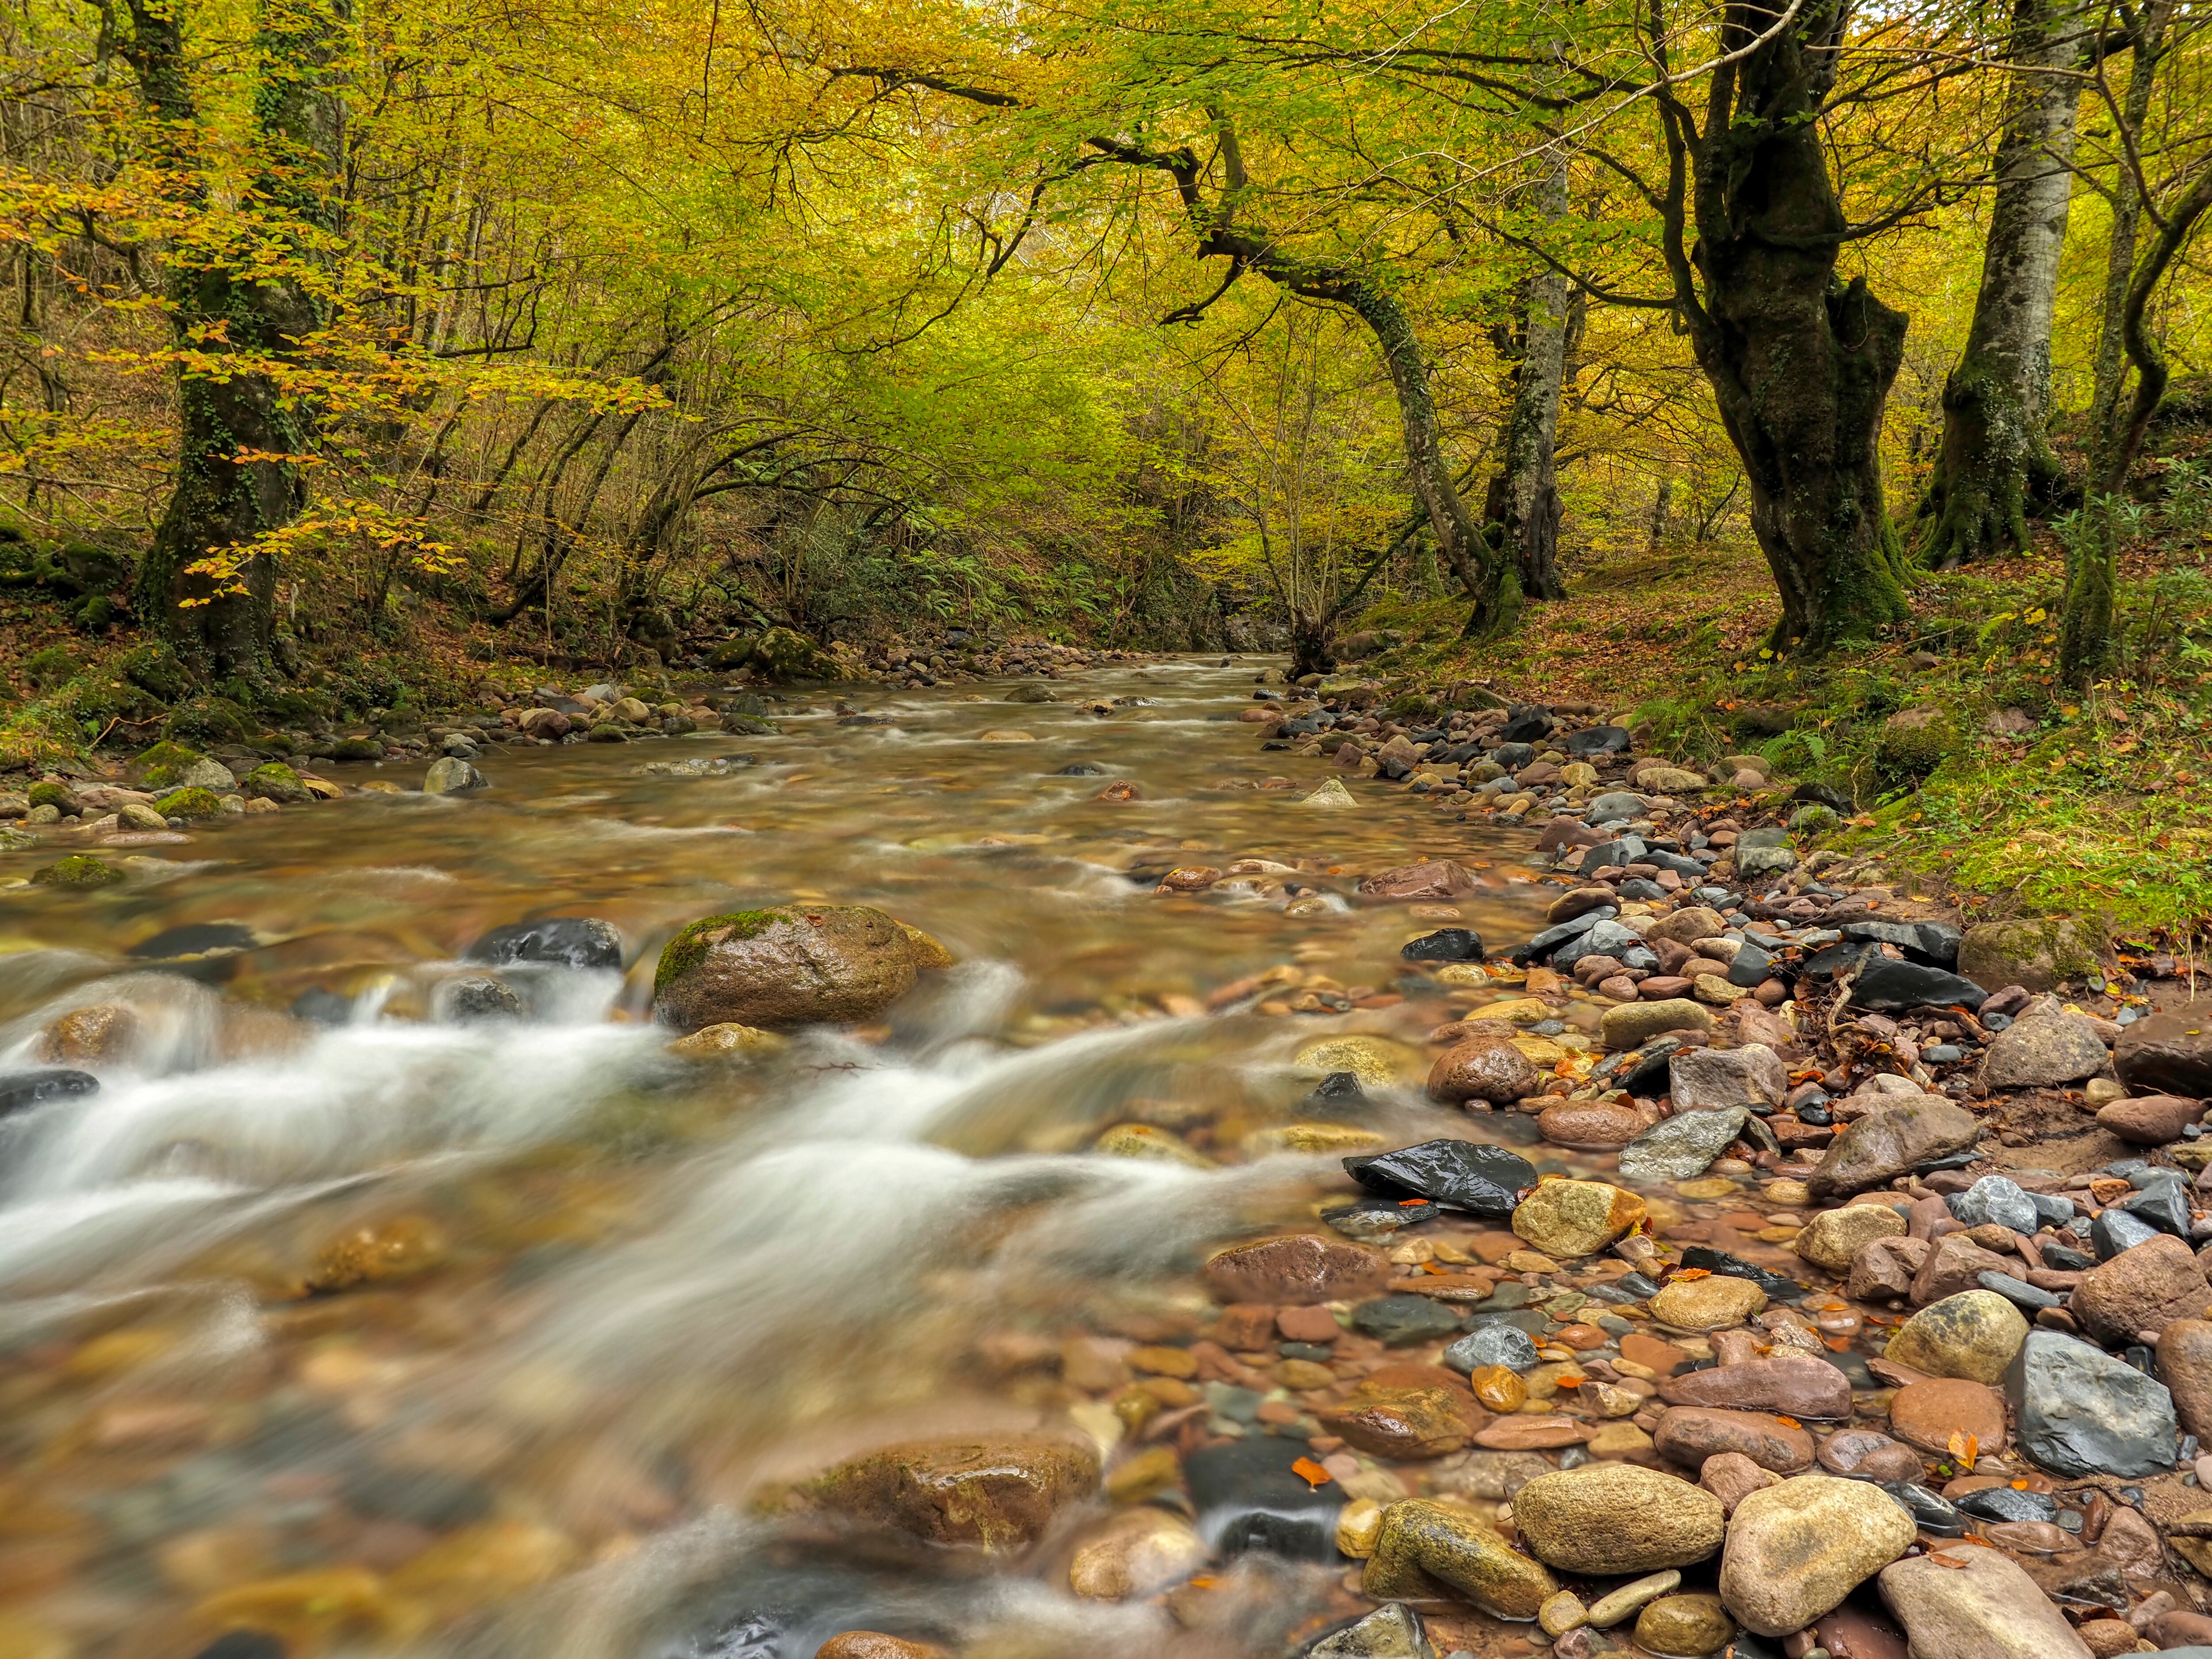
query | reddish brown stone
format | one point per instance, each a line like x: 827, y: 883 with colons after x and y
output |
x: 2150, y: 1120
x: 1590, y: 1125
x: 2144, y: 1289
x: 1691, y: 1434
x: 1956, y: 1264
x: 1308, y: 1324
x: 1519, y: 1433
x: 1483, y: 1069
x: 1664, y: 1357
x: 1928, y: 1414
x: 1431, y: 878
x: 1794, y: 1385
x: 1297, y: 1268
x: 1882, y: 1270
x: 1245, y: 1325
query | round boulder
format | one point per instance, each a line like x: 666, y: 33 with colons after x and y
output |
x: 1612, y: 1519
x: 789, y: 965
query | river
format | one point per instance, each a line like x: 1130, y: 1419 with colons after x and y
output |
x: 335, y: 1319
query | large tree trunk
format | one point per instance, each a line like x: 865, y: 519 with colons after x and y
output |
x: 1800, y: 363
x: 2148, y: 42
x: 1522, y: 510
x: 1995, y: 456
x: 220, y: 616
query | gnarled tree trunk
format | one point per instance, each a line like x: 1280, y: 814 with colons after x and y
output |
x: 1800, y: 362
x: 1994, y: 457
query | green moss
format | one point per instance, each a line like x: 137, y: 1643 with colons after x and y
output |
x: 159, y: 767
x: 49, y: 668
x: 273, y: 781
x: 58, y: 796
x: 216, y: 719
x: 688, y: 948
x: 189, y: 804
x: 154, y: 670
x: 78, y: 870
x: 1906, y: 756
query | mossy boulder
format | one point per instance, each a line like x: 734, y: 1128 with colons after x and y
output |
x: 154, y: 670
x: 212, y: 720
x: 59, y: 796
x: 783, y: 654
x: 78, y: 870
x: 274, y: 781
x: 733, y: 654
x: 189, y: 804
x: 784, y: 966
x: 2037, y: 953
x: 358, y: 749
x: 1911, y: 745
x: 164, y: 764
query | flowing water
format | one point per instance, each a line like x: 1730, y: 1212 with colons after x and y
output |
x: 329, y: 1317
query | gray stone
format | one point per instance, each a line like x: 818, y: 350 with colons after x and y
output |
x: 1682, y: 1147
x: 1391, y: 1633
x: 2033, y: 954
x: 450, y: 775
x: 1493, y: 1345
x: 2043, y: 1053
x: 1996, y: 1199
x: 1399, y: 1321
x: 205, y: 774
x: 1722, y: 1080
x: 1618, y: 806
x: 1912, y: 1130
x: 2080, y: 1412
x: 1976, y: 1604
x: 1752, y: 861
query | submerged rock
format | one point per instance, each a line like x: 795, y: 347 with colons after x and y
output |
x: 1297, y: 1269
x: 996, y: 1494
x: 1422, y: 1540
x: 1682, y: 1147
x: 1394, y: 1631
x: 562, y: 941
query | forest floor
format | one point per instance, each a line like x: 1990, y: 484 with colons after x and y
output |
x: 1968, y: 764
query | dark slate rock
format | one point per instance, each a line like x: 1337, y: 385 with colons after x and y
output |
x: 1493, y: 1345
x: 1445, y: 944
x: 2080, y: 1412
x: 1935, y: 944
x: 1600, y: 740
x: 2065, y: 1258
x: 196, y: 939
x: 2004, y: 1503
x: 1526, y: 726
x: 555, y: 941
x: 1512, y: 756
x: 1996, y: 1199
x: 1400, y: 1322
x: 1687, y: 867
x: 1832, y: 800
x: 1459, y: 1174
x: 2165, y: 1205
x: 2019, y: 1293
x: 2115, y: 1230
x: 1080, y: 769
x: 1835, y: 960
x: 1553, y: 936
x: 1752, y: 965
x: 1778, y: 1286
x: 2053, y: 1209
x: 323, y: 1006
x: 1625, y: 849
x: 1248, y: 1498
x: 1937, y: 1516
x: 1885, y: 984
x: 19, y: 1090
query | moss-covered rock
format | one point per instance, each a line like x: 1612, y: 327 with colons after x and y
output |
x: 164, y: 764
x: 733, y: 654
x: 211, y: 720
x: 783, y: 654
x: 2037, y: 953
x: 78, y: 870
x: 358, y: 749
x: 1912, y: 743
x: 789, y: 965
x: 189, y: 804
x: 59, y: 796
x: 154, y: 670
x: 273, y: 781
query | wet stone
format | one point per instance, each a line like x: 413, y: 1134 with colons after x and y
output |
x: 1996, y: 1199
x: 1611, y: 1519
x: 1682, y: 1147
x: 1459, y: 1174
x: 1422, y: 1540
x: 1392, y: 1633
x: 1248, y: 1498
x: 1301, y: 1268
x: 1400, y: 1322
x: 1927, y: 1414
x: 1796, y: 1550
x: 2080, y: 1412
x: 1492, y: 1343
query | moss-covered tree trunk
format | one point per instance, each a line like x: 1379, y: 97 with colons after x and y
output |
x: 1995, y: 459
x: 1800, y: 362
x: 221, y: 620
x: 2147, y: 42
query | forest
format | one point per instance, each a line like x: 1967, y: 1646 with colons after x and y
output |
x: 1689, y: 356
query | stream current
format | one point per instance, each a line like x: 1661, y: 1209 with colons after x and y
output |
x: 332, y: 1317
